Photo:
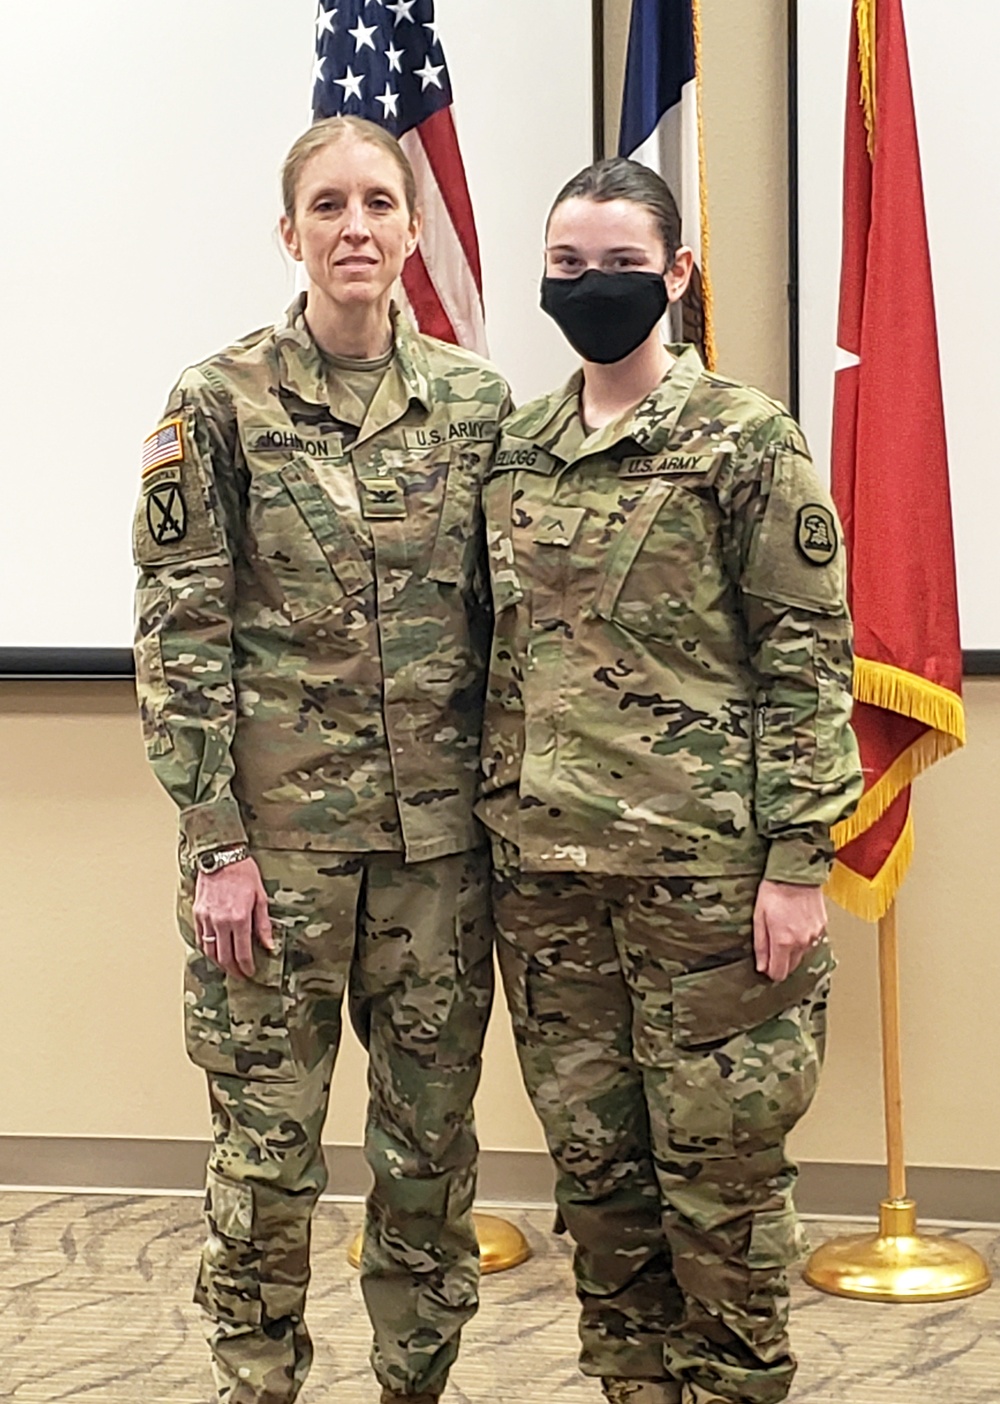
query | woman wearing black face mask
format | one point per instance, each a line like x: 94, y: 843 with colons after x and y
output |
x: 666, y: 749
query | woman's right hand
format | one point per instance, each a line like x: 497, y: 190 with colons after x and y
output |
x: 230, y: 909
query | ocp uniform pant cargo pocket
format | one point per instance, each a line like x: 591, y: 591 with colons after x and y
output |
x: 228, y: 1286
x: 255, y: 1263
x: 777, y: 1240
x: 746, y: 1055
x: 238, y: 1026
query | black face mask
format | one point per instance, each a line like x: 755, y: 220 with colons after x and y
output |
x: 605, y: 316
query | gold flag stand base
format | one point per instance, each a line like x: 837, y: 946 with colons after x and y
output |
x: 501, y: 1245
x: 897, y: 1264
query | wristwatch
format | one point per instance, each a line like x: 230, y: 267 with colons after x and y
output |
x: 217, y: 858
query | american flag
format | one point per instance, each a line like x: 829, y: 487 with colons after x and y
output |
x: 661, y: 128
x: 163, y: 446
x: 383, y: 60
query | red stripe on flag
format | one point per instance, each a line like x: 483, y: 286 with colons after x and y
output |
x: 440, y: 141
x: 430, y: 315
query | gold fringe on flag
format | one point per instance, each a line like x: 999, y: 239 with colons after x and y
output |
x: 896, y: 690
x: 708, y: 304
x: 870, y: 900
x: 866, y: 10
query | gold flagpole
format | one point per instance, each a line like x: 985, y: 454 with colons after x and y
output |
x: 892, y: 1068
x: 897, y: 1264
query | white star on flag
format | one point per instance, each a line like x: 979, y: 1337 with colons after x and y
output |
x: 363, y: 36
x: 389, y: 101
x: 384, y: 60
x: 324, y: 21
x: 403, y: 11
x: 351, y: 83
x: 429, y: 74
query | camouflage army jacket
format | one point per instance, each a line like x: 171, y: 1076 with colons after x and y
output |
x: 670, y: 682
x: 312, y: 610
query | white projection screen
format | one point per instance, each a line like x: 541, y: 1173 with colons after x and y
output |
x: 953, y: 56
x: 140, y: 147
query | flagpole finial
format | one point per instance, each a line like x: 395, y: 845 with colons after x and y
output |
x: 865, y: 13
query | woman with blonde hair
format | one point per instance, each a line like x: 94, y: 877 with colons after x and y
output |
x: 311, y: 641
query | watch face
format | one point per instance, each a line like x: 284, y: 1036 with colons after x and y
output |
x: 207, y: 861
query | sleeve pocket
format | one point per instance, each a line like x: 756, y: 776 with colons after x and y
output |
x: 151, y: 682
x: 778, y: 568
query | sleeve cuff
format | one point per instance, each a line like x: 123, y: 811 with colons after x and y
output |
x: 208, y: 826
x: 799, y: 859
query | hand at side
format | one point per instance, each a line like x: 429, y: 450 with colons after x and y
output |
x: 788, y: 920
x: 230, y: 910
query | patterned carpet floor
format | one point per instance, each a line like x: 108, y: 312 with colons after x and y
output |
x: 95, y: 1306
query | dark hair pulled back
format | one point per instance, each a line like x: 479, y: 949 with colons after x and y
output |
x: 617, y: 178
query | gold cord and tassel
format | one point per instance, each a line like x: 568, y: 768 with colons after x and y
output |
x: 707, y: 300
x: 866, y: 59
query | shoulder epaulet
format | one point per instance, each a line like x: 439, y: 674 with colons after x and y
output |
x: 744, y: 401
x: 209, y: 369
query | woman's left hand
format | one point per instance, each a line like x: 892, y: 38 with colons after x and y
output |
x: 788, y: 921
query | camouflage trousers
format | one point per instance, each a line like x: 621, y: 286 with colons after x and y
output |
x: 411, y: 944
x: 666, y: 1073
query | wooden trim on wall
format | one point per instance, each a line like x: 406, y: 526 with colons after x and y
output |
x: 90, y: 1164
x: 597, y: 22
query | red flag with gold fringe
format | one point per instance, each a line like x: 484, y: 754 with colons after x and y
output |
x: 890, y: 471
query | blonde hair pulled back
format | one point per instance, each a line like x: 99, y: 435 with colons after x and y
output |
x: 328, y: 132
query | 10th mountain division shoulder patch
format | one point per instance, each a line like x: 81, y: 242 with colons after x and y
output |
x: 166, y: 514
x: 816, y: 534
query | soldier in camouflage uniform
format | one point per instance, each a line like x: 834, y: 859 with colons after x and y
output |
x: 666, y: 746
x: 312, y: 633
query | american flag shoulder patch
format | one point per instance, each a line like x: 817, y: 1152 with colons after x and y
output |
x: 165, y: 445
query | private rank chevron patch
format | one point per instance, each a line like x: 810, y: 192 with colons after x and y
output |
x: 163, y: 446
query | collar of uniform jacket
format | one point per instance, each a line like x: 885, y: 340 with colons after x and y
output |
x: 650, y: 425
x: 305, y: 372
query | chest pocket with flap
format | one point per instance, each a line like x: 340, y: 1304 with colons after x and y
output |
x: 452, y: 560
x: 657, y: 564
x: 303, y: 538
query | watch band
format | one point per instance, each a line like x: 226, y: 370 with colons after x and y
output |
x: 217, y: 858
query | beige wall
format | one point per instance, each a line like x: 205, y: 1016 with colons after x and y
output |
x: 92, y: 965
x: 91, y: 1038
x: 746, y: 137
